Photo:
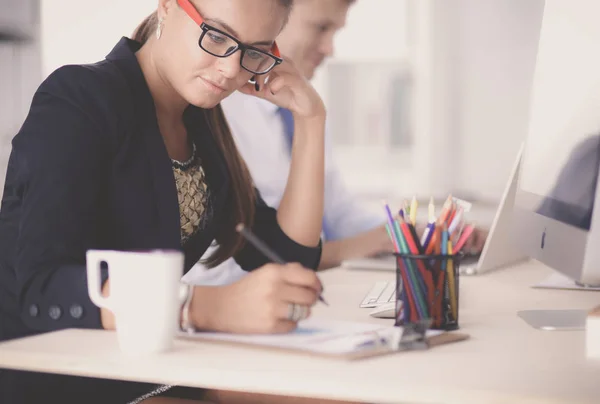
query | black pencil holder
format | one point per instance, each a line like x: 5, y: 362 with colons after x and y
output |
x: 427, y: 286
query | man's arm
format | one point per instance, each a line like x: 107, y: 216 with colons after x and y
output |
x: 351, y: 230
x: 345, y: 215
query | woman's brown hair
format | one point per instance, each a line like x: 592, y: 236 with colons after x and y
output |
x: 240, y: 202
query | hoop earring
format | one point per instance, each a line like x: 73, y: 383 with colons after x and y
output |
x: 159, y: 28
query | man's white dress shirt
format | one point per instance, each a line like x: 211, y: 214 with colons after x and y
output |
x: 259, y: 132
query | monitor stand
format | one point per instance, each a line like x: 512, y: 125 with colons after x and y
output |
x: 555, y: 320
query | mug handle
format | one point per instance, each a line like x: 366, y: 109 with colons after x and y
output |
x: 93, y: 260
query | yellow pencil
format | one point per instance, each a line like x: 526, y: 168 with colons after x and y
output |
x: 431, y: 215
x: 413, y: 211
x: 451, y: 283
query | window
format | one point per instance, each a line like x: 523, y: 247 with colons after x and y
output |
x: 371, y: 90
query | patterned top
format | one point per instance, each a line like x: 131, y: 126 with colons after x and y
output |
x: 192, y: 194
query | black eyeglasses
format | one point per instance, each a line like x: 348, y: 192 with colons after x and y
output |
x: 222, y: 45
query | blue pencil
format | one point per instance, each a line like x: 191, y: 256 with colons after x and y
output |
x: 392, y: 222
x: 444, y: 246
x: 430, y: 229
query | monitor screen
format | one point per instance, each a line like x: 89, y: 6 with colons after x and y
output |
x: 560, y: 162
x: 559, y: 176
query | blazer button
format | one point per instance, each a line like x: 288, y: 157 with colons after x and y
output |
x: 54, y: 312
x: 76, y: 311
x: 34, y: 310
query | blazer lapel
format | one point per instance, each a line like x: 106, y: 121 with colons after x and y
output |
x: 165, y: 190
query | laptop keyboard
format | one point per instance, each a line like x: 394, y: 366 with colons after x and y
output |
x: 380, y: 293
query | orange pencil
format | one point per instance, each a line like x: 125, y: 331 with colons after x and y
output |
x: 437, y: 248
x: 445, y: 210
x: 434, y: 240
x: 452, y: 214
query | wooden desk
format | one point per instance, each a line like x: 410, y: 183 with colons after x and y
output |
x: 505, y: 361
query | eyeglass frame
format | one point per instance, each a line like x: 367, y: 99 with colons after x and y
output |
x: 191, y: 11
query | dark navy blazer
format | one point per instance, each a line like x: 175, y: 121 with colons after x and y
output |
x: 89, y: 170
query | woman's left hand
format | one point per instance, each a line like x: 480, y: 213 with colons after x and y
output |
x: 287, y: 88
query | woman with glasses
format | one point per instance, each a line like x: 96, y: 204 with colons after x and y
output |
x: 133, y: 153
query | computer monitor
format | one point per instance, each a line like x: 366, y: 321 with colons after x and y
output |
x: 555, y: 218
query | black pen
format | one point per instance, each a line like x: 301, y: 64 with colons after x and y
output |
x: 265, y: 249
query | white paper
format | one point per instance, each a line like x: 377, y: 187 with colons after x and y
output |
x: 560, y: 281
x: 316, y: 335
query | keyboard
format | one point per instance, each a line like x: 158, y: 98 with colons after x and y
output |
x: 380, y: 293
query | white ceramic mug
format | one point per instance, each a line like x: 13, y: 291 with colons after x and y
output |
x: 145, y: 296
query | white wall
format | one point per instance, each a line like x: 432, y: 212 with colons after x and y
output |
x: 362, y: 39
x: 494, y: 53
x: 75, y: 31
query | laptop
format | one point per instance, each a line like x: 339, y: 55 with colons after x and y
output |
x: 500, y: 249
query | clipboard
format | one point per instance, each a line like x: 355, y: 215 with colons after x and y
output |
x: 338, y: 339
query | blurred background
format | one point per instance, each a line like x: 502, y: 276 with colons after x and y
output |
x: 425, y: 97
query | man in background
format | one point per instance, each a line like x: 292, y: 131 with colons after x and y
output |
x: 263, y: 133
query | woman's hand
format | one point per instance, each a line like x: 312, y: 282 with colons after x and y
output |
x: 259, y: 303
x: 287, y: 88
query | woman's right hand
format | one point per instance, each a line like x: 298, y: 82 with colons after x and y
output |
x: 259, y: 303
